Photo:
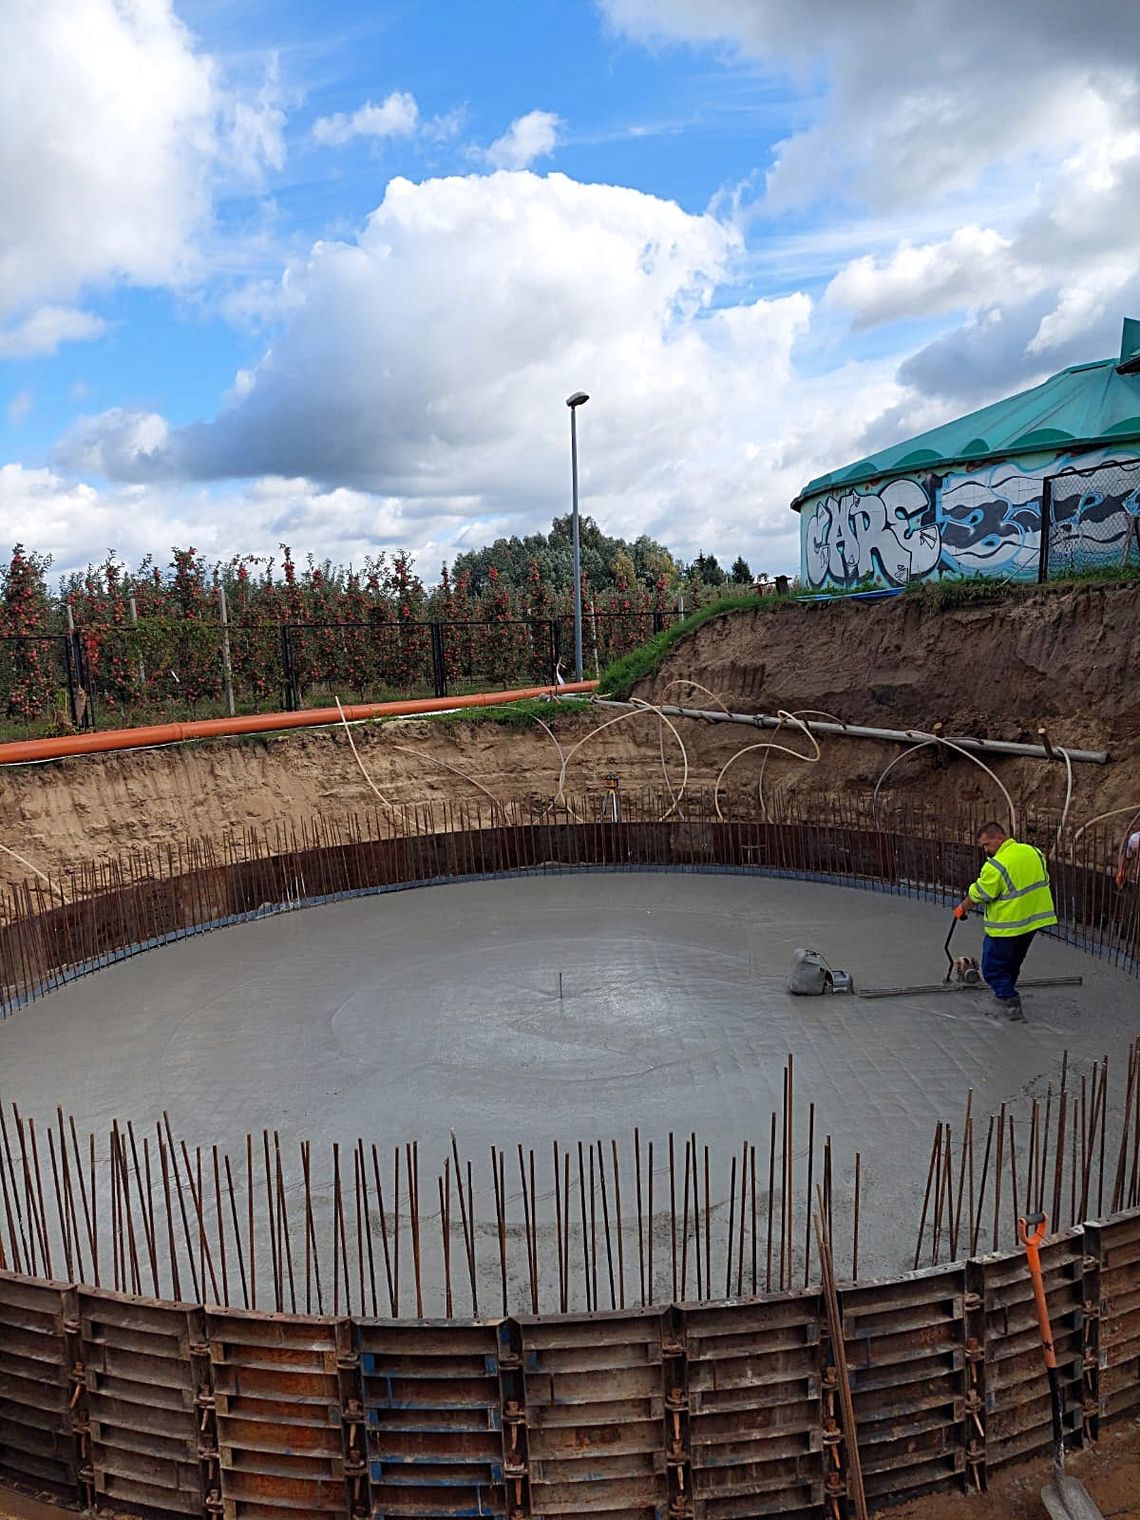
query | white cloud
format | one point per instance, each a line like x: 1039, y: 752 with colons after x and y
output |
x: 397, y: 116
x: 75, y: 521
x: 426, y: 364
x: 19, y: 407
x: 114, y: 130
x: 118, y: 443
x: 46, y: 328
x: 921, y: 99
x: 963, y: 270
x: 528, y: 137
x: 255, y: 137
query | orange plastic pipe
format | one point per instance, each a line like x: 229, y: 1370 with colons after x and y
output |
x: 20, y: 752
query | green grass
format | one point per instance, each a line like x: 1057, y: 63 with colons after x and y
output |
x: 509, y: 715
x: 619, y: 678
x: 943, y: 596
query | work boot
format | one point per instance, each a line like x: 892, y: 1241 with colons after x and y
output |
x: 1011, y: 1008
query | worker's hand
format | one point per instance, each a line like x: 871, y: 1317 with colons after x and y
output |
x: 962, y: 910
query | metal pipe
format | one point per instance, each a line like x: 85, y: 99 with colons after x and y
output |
x: 862, y: 731
x: 23, y: 751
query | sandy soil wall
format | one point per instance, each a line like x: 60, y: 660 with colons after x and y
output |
x: 1066, y: 659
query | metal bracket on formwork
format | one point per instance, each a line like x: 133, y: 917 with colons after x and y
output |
x: 1091, y: 1403
x: 206, y: 1423
x: 675, y: 1387
x: 512, y: 1411
x: 354, y: 1433
x: 77, y: 1399
x: 973, y: 1427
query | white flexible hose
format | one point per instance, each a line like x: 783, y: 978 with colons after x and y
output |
x: 676, y: 799
x: 1068, y: 796
x: 454, y: 769
x: 926, y: 741
x: 767, y: 744
x: 800, y: 712
x: 638, y: 711
x: 1100, y: 817
x: 694, y: 686
x: 356, y: 756
x: 34, y: 870
x: 558, y: 749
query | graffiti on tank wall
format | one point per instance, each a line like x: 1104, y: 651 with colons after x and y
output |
x: 889, y: 533
x: 986, y: 522
x: 991, y: 524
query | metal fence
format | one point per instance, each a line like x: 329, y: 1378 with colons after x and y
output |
x: 1090, y: 520
x: 154, y: 671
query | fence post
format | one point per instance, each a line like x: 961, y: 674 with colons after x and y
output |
x: 438, y: 664
x: 555, y: 649
x: 1046, y: 529
x: 87, y: 682
x: 69, y: 668
x: 227, y: 668
x: 79, y: 684
x: 288, y: 674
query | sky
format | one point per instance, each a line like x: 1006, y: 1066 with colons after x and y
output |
x: 278, y: 273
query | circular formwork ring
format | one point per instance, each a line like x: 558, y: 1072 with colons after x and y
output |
x: 132, y: 1405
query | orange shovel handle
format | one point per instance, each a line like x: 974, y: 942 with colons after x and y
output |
x: 1032, y: 1242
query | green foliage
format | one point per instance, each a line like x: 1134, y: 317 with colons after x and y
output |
x: 523, y: 714
x: 945, y: 595
x: 740, y: 574
x: 706, y: 569
x: 644, y: 560
x: 619, y: 679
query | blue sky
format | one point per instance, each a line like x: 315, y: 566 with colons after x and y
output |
x: 273, y: 272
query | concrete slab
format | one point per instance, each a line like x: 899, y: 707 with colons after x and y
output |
x: 402, y: 1016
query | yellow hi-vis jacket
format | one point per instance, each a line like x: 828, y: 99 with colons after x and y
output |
x: 1014, y: 890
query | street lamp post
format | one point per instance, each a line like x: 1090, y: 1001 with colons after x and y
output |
x: 579, y: 398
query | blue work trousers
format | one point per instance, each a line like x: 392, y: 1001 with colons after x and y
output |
x: 1001, y: 962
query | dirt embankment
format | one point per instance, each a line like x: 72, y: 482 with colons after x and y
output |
x: 1067, y: 660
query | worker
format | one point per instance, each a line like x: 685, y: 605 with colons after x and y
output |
x: 1013, y: 891
x: 1128, y: 865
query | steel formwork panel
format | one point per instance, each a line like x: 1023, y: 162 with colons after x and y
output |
x: 434, y: 1425
x: 1117, y: 1246
x: 595, y: 1427
x: 141, y: 1402
x: 1018, y: 1419
x: 754, y: 1407
x: 37, y: 1444
x: 905, y: 1352
x: 280, y: 1433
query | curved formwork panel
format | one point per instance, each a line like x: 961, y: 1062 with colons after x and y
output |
x: 123, y: 1405
x: 721, y: 1411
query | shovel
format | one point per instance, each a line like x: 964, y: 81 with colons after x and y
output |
x: 1064, y: 1498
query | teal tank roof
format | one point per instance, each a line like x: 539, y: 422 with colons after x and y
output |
x: 1082, y: 407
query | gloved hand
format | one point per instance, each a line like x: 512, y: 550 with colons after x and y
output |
x: 961, y: 911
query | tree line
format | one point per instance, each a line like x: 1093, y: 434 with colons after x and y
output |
x: 148, y: 638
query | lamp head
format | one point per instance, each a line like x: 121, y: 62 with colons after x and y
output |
x: 579, y: 398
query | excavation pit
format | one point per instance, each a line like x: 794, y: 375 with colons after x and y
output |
x: 573, y: 1007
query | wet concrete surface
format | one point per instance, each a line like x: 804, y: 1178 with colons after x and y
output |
x: 403, y: 1016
